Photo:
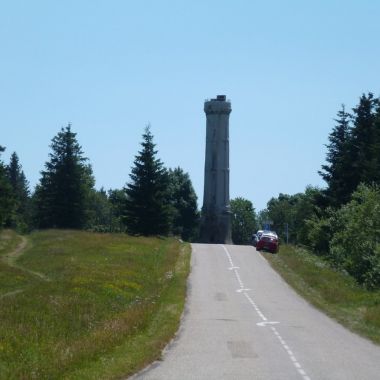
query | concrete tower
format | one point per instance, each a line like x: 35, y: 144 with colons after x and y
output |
x: 216, y: 214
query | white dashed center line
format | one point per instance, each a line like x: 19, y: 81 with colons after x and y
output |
x: 265, y: 321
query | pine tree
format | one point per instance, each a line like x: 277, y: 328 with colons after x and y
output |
x: 6, y: 196
x: 147, y: 205
x: 20, y: 188
x: 376, y: 143
x: 337, y: 172
x: 363, y: 142
x: 185, y: 215
x: 64, y: 188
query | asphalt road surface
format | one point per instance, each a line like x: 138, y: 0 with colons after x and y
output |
x: 242, y: 321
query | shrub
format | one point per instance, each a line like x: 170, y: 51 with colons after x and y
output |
x: 355, y: 246
x: 319, y: 234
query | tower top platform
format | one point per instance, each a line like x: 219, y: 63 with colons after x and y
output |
x: 220, y: 98
x: 218, y: 105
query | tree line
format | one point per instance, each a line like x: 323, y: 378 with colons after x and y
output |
x: 155, y: 200
x: 342, y: 221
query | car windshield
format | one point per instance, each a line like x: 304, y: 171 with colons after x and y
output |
x: 268, y: 237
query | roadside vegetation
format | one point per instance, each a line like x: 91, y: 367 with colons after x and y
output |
x: 243, y: 222
x: 335, y: 293
x: 341, y: 223
x: 83, y: 305
x: 334, y: 257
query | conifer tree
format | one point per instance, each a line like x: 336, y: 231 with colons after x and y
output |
x: 337, y: 172
x: 147, y: 204
x: 353, y: 155
x: 20, y: 189
x: 376, y: 142
x: 64, y: 188
x: 363, y: 147
x: 6, y: 197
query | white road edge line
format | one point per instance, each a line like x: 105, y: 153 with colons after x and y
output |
x: 243, y: 290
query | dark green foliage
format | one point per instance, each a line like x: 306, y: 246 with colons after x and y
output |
x: 349, y: 232
x: 183, y: 201
x: 364, y: 145
x: 290, y: 212
x: 280, y: 211
x: 376, y: 143
x: 355, y: 246
x: 348, y: 237
x: 310, y: 204
x: 105, y: 212
x: 342, y: 223
x: 99, y: 218
x: 147, y: 203
x: 321, y: 228
x: 337, y: 172
x: 17, y: 177
x: 20, y: 217
x: 353, y: 152
x: 244, y: 221
x: 6, y: 195
x: 117, y: 200
x: 63, y: 193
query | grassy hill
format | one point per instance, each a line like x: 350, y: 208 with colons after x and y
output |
x: 78, y: 305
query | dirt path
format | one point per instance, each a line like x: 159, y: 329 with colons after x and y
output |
x: 12, y: 293
x: 12, y: 257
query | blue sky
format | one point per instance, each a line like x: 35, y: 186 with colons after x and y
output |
x: 111, y: 67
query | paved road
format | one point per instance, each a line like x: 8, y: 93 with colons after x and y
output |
x: 242, y: 321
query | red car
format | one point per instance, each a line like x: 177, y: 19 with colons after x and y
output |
x: 268, y: 242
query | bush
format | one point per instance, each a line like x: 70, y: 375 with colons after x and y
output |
x: 319, y: 234
x: 355, y: 246
x: 243, y: 220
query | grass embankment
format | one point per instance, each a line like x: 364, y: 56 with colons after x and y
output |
x: 105, y: 306
x: 336, y: 294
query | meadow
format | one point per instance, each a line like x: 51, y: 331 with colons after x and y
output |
x: 80, y: 305
x: 335, y: 293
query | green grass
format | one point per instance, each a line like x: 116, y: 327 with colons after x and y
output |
x: 335, y: 293
x: 105, y: 307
